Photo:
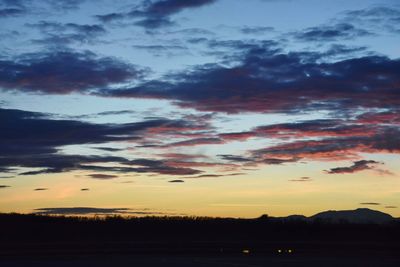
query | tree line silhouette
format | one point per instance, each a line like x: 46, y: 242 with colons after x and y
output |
x: 30, y: 233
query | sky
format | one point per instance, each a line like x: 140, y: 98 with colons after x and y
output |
x: 222, y: 108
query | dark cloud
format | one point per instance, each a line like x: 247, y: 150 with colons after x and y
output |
x: 40, y: 148
x: 192, y: 31
x: 63, y: 72
x: 336, y: 50
x: 374, y: 12
x: 6, y: 170
x: 52, y: 26
x: 331, y: 33
x: 109, y: 149
x: 377, y: 18
x: 256, y: 30
x: 214, y: 175
x: 370, y: 203
x: 329, y: 139
x: 267, y: 81
x: 116, y: 112
x: 4, y: 186
x: 12, y: 3
x: 110, y: 17
x: 104, y: 113
x: 325, y: 149
x: 163, y: 8
x: 356, y: 167
x: 158, y: 47
x: 197, y: 40
x: 258, y: 78
x: 197, y: 164
x: 181, y: 156
x: 11, y: 12
x: 235, y: 49
x: 46, y: 134
x: 40, y: 189
x: 391, y: 207
x: 141, y: 166
x: 332, y: 138
x: 155, y: 14
x: 373, y: 118
x: 323, y: 139
x: 277, y: 161
x: 257, y: 159
x: 238, y: 136
x: 161, y: 167
x: 207, y: 176
x: 90, y: 210
x: 154, y: 22
x: 61, y: 34
x: 163, y: 50
x: 56, y: 163
x: 235, y: 158
x: 85, y: 189
x: 12, y: 8
x: 101, y: 176
x: 196, y: 142
x: 20, y: 7
x: 320, y: 128
x: 65, y: 5
x: 301, y: 179
x: 388, y: 140
x: 176, y: 181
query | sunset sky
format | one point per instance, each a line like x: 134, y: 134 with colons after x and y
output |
x: 199, y: 107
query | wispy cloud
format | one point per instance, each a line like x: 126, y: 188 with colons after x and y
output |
x: 61, y: 34
x: 331, y: 33
x: 11, y: 12
x: 301, y: 179
x: 176, y: 181
x: 102, y: 176
x: 92, y: 210
x: 41, y: 189
x: 154, y: 14
x: 370, y: 203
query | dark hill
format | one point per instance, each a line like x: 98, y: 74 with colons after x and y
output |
x: 363, y: 215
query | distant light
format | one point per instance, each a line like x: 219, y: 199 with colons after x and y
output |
x: 246, y: 251
x: 289, y: 251
x: 279, y: 251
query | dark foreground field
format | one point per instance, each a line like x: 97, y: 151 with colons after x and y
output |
x: 202, y: 261
x: 31, y: 240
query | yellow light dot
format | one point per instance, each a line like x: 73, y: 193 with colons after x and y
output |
x: 279, y: 251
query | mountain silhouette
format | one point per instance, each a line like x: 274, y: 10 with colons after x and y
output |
x: 361, y: 215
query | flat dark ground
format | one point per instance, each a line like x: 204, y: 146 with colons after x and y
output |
x: 27, y: 240
x: 155, y: 260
